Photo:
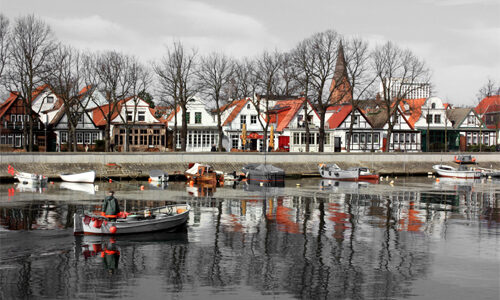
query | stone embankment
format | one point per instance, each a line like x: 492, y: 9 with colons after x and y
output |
x: 137, y: 165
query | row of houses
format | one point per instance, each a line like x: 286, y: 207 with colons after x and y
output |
x: 425, y: 124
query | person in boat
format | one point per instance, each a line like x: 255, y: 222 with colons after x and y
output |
x: 110, y: 207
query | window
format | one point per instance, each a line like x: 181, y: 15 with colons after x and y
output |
x: 248, y: 106
x: 187, y: 117
x: 375, y: 138
x: 407, y: 138
x: 429, y: 119
x: 395, y: 137
x: 433, y: 105
x: 355, y: 138
x: 10, y: 139
x: 437, y: 119
x: 197, y: 117
x: 64, y: 137
x: 485, y: 138
x: 296, y: 138
x: 243, y: 119
x: 94, y: 137
x: 355, y: 119
x: 50, y: 99
x: 470, y: 120
x: 327, y: 138
x: 79, y: 137
x: 87, y: 138
x: 144, y: 131
x: 413, y: 137
x: 362, y: 138
x: 234, y: 141
x: 253, y: 119
x: 141, y: 116
x: 19, y: 118
x: 129, y: 116
x: 12, y: 118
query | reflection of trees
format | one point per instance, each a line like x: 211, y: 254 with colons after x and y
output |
x: 347, y: 246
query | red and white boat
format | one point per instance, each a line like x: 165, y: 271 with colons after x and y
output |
x: 333, y: 171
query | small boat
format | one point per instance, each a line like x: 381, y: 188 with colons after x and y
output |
x: 151, y: 220
x: 264, y: 173
x: 200, y: 173
x: 461, y: 172
x: 31, y: 179
x: 333, y: 171
x: 88, y: 188
x: 464, y: 159
x: 87, y: 177
x: 158, y: 176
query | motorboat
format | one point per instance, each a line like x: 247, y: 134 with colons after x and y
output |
x: 201, y: 173
x: 158, y: 176
x: 365, y: 174
x: 88, y: 188
x: 464, y: 159
x: 31, y: 179
x: 461, y: 172
x: 333, y: 171
x: 264, y: 173
x: 156, y: 219
x: 86, y: 177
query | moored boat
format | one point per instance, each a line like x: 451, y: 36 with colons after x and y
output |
x: 333, y: 171
x: 201, y: 173
x: 461, y: 172
x: 264, y: 173
x: 365, y: 174
x: 158, y: 176
x: 464, y: 159
x: 151, y: 220
x: 86, y: 177
x: 30, y: 179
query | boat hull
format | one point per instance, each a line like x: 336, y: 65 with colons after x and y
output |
x: 446, y: 171
x: 31, y: 179
x: 341, y: 175
x: 86, y: 177
x: 124, y: 226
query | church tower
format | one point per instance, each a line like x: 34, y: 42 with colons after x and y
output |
x: 340, y: 89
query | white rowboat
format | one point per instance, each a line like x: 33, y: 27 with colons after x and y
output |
x: 447, y: 171
x: 30, y: 179
x: 87, y: 177
x: 157, y: 219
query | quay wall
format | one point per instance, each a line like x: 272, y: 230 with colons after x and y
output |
x: 135, y: 165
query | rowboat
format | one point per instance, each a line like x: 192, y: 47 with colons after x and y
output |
x: 263, y: 173
x: 158, y: 176
x: 87, y: 177
x: 31, y: 179
x: 151, y: 220
x: 461, y: 172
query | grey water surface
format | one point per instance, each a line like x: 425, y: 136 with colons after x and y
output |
x: 312, y: 239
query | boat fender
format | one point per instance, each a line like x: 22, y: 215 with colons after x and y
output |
x: 112, y: 229
x: 180, y: 210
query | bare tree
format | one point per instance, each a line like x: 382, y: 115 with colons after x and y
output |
x: 111, y: 72
x: 246, y: 80
x: 287, y: 84
x: 67, y: 80
x: 214, y: 77
x: 4, y: 43
x: 490, y: 88
x: 358, y: 75
x: 266, y: 72
x: 392, y: 63
x: 177, y: 75
x: 31, y: 44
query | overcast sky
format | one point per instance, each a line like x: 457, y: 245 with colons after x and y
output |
x: 458, y: 39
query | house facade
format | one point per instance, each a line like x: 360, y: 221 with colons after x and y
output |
x: 470, y: 129
x: 488, y: 110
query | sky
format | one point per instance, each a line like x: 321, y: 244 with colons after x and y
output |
x: 458, y: 39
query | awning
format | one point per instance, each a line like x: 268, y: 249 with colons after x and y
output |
x: 254, y: 135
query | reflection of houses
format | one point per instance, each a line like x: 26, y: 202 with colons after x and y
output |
x: 469, y: 129
x: 14, y: 119
x: 489, y: 110
x: 201, y: 126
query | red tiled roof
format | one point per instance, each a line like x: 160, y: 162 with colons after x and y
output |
x: 488, y: 104
x: 284, y: 111
x: 340, y: 113
x: 238, y: 106
x: 415, y: 109
x: 4, y: 107
x: 172, y: 114
x: 99, y: 114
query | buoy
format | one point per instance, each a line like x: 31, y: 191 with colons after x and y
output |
x: 381, y: 178
x: 110, y: 180
x: 262, y: 184
x: 52, y: 182
x: 298, y: 184
x: 392, y: 182
x: 437, y: 179
x: 191, y: 183
x: 395, y: 177
x: 96, y: 188
x: 387, y: 177
x: 149, y: 180
x: 112, y: 229
x: 142, y: 188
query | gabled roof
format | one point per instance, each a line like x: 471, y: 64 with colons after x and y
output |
x: 99, y: 113
x: 414, y: 110
x: 237, y: 106
x: 284, y: 111
x: 488, y: 104
x: 457, y: 115
x: 340, y: 113
x: 4, y: 107
x: 379, y: 118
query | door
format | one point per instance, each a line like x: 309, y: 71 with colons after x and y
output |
x: 336, y: 144
x: 284, y: 143
x: 253, y: 144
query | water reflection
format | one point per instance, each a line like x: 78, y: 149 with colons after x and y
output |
x: 366, y: 241
x: 88, y: 188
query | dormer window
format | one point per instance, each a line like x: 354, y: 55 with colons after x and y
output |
x: 129, y: 116
x: 141, y: 116
x: 50, y: 99
x: 248, y: 106
x: 433, y: 105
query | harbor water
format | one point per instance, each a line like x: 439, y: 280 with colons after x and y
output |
x: 410, y: 237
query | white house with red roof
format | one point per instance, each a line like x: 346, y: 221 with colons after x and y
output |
x: 202, y: 131
x: 488, y: 110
